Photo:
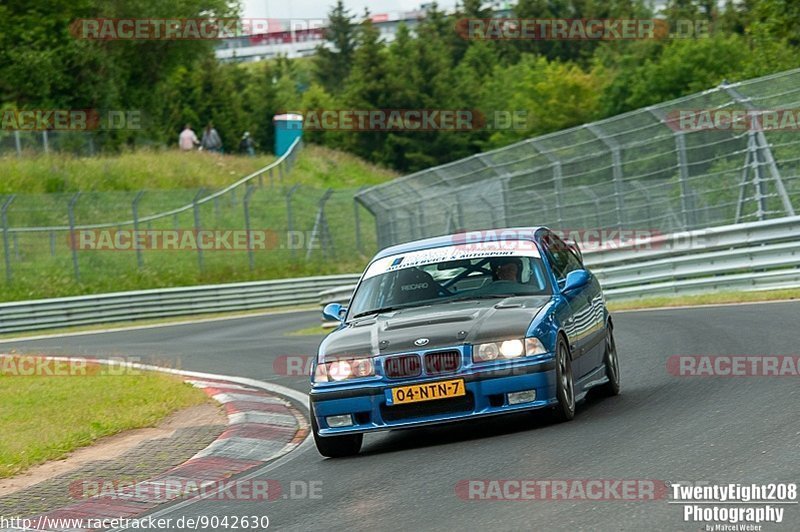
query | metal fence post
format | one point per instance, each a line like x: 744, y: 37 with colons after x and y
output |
x: 17, y: 143
x: 558, y: 182
x: 246, y: 202
x: 289, y: 219
x: 616, y: 171
x: 4, y: 212
x: 72, y: 241
x: 45, y: 143
x: 135, y: 209
x: 321, y: 230
x: 761, y: 145
x: 357, y: 216
x: 687, y: 212
x: 196, y: 209
x: 52, y: 243
x: 596, y: 200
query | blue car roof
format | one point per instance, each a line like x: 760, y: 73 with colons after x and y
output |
x: 444, y: 240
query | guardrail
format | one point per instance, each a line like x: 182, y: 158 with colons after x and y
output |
x: 163, y: 303
x: 752, y: 256
x: 759, y: 255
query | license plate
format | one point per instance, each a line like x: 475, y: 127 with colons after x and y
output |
x: 427, y: 392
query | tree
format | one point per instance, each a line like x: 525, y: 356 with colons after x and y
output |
x: 333, y: 64
x: 366, y: 88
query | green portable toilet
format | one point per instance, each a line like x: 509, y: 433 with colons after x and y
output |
x: 288, y: 127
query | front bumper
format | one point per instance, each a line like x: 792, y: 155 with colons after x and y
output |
x: 486, y: 394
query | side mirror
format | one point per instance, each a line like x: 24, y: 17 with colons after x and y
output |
x: 334, y: 312
x: 576, y: 279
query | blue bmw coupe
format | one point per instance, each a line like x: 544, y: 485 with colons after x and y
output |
x: 462, y: 326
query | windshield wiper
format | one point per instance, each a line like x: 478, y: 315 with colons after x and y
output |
x: 380, y: 310
x: 485, y: 296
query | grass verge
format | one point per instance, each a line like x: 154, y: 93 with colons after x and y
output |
x: 42, y: 264
x: 45, y: 417
x: 316, y: 330
x: 173, y: 169
x: 176, y: 320
x: 719, y: 298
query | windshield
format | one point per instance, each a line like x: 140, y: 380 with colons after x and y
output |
x: 448, y: 274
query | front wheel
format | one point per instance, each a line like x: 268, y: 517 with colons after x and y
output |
x: 565, y: 385
x: 335, y: 446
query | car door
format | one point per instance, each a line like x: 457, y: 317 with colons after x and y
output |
x: 581, y: 323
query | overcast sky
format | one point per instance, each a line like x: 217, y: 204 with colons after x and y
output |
x: 320, y: 8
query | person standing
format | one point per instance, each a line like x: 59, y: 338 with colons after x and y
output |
x: 246, y: 145
x: 187, y: 140
x: 211, y: 140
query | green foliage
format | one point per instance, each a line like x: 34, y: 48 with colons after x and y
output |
x: 555, y: 84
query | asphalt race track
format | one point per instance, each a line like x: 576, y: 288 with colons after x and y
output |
x: 663, y: 427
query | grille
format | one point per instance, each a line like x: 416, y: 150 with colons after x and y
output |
x: 402, y: 366
x: 442, y: 362
x: 465, y: 403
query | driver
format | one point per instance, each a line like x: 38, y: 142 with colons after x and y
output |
x: 507, y: 269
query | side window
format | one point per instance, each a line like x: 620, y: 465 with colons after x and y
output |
x: 561, y: 257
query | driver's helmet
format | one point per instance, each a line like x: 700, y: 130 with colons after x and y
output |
x: 500, y: 268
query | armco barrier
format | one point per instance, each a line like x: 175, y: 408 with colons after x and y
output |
x: 753, y: 256
x: 758, y: 255
x: 162, y: 303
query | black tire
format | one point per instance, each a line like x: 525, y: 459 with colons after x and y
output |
x: 565, y: 384
x: 335, y: 446
x: 611, y: 361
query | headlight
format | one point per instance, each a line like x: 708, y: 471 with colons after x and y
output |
x: 507, y: 350
x: 340, y: 370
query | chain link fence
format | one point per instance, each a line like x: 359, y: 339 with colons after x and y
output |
x: 641, y: 170
x: 289, y: 229
x: 78, y: 143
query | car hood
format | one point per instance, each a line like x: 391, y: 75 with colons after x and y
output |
x: 444, y: 325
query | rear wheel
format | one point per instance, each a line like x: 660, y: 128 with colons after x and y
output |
x: 611, y: 361
x: 335, y: 446
x: 565, y: 386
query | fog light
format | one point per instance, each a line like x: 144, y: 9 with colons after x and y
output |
x: 339, y: 421
x: 526, y: 396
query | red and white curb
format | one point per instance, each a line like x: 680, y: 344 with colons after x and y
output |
x: 262, y: 427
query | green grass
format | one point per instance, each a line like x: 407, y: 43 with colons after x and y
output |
x: 316, y: 330
x: 706, y: 299
x: 45, y: 418
x: 156, y: 321
x: 173, y: 169
x: 42, y: 262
